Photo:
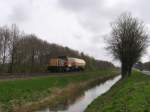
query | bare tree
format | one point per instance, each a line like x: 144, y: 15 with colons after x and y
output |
x: 1, y: 44
x: 13, y: 42
x: 5, y: 41
x: 1, y: 39
x: 128, y: 41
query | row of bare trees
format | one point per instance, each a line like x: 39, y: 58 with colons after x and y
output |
x: 8, y: 41
x: 21, y: 52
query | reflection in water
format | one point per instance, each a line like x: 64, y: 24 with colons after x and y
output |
x: 81, y: 103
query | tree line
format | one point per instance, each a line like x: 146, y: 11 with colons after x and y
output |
x: 20, y: 52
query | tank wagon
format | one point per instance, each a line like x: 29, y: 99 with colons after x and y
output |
x: 64, y: 63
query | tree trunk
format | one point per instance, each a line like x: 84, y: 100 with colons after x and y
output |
x: 12, y: 62
x: 129, y: 70
x: 4, y: 52
x: 123, y: 70
x: 12, y: 58
x: 32, y: 60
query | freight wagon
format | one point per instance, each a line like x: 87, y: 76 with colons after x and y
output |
x: 64, y: 63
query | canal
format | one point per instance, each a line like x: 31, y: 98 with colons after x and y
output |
x: 81, y: 103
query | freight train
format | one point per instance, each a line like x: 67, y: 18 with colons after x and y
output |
x: 65, y: 63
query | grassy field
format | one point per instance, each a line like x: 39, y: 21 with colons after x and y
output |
x: 128, y: 95
x: 20, y: 91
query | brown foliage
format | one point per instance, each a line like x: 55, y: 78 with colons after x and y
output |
x: 26, y: 53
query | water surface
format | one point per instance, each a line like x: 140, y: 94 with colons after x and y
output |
x: 82, y: 102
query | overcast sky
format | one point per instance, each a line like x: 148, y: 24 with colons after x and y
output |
x: 78, y: 24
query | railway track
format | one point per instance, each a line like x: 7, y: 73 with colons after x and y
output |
x: 9, y: 76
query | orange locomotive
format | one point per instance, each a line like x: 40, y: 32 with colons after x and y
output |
x: 64, y: 63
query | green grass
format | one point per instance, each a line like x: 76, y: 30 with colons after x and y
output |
x: 20, y: 91
x: 131, y: 94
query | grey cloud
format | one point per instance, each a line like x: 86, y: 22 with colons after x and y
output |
x: 96, y: 15
x: 77, y: 36
x: 98, y: 52
x: 141, y: 9
x: 98, y: 39
x: 87, y: 11
x: 79, y: 5
x: 21, y: 12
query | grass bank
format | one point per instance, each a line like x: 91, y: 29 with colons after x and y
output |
x: 131, y: 94
x: 16, y: 95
